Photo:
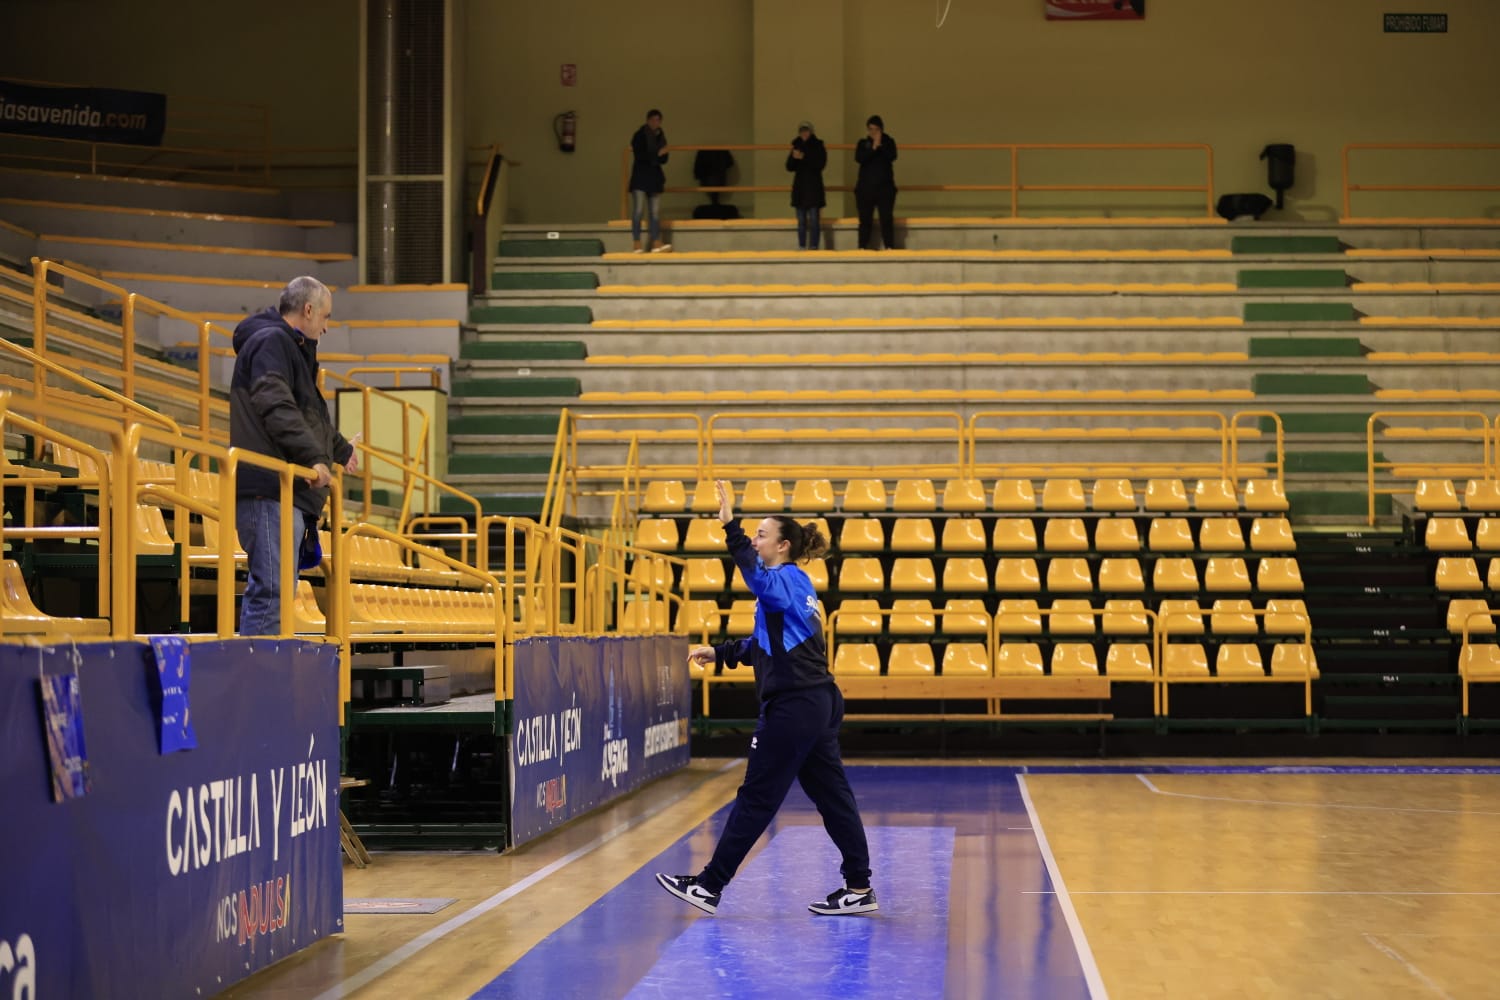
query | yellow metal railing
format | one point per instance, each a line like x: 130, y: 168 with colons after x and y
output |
x: 1393, y: 478
x: 415, y: 425
x: 1305, y: 677
x: 1424, y: 168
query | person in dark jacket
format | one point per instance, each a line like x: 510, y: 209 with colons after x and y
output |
x: 876, y: 186
x: 797, y: 734
x: 648, y: 149
x: 276, y: 409
x: 806, y: 162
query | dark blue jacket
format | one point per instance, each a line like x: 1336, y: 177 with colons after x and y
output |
x: 877, y: 175
x: 807, y: 184
x: 786, y: 649
x: 275, y: 408
x: 647, y: 158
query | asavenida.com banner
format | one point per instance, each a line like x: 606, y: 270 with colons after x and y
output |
x: 88, y: 114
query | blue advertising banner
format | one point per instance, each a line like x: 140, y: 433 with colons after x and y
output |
x: 177, y: 875
x: 595, y: 718
x: 89, y: 114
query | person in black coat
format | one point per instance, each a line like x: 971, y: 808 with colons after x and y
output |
x: 648, y: 148
x: 806, y: 162
x: 876, y: 186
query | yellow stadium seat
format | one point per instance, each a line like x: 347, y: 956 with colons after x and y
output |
x: 1482, y: 496
x: 1065, y: 534
x: 966, y: 659
x: 1019, y: 616
x: 913, y: 574
x: 665, y: 496
x: 1014, y: 496
x: 911, y: 659
x: 1492, y: 578
x: 1447, y: 534
x: 1069, y: 575
x: 1487, y: 535
x: 1473, y: 611
x: 965, y: 574
x: 644, y: 616
x: 914, y: 496
x: 1239, y: 659
x: 963, y: 496
x: 1266, y: 496
x: 965, y: 616
x: 705, y: 498
x: 704, y: 534
x: 1121, y: 576
x: 1063, y: 495
x: 698, y: 616
x: 1116, y: 534
x: 862, y: 534
x: 1170, y: 534
x: 1272, y: 534
x: 1128, y: 659
x: 1226, y: 574
x: 1174, y: 575
x: 703, y: 576
x: 1014, y: 575
x: 741, y: 618
x: 1279, y: 574
x: 151, y: 536
x: 856, y: 659
x: 1286, y: 616
x: 1124, y: 616
x: 763, y: 496
x: 1479, y: 659
x: 1113, y: 496
x: 857, y: 616
x: 963, y: 534
x: 913, y: 534
x: 861, y: 573
x: 1221, y: 534
x: 812, y: 496
x: 1184, y: 659
x: 817, y: 573
x: 1018, y: 659
x: 1181, y: 617
x: 1436, y: 495
x: 1215, y: 495
x: 1074, y: 659
x: 1071, y: 616
x: 659, y: 534
x: 912, y: 616
x: 1014, y: 534
x: 1233, y: 617
x: 310, y: 617
x: 652, y: 573
x: 1166, y: 495
x: 1293, y: 659
x: 864, y: 495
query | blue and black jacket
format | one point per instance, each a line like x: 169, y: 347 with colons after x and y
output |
x: 786, y: 649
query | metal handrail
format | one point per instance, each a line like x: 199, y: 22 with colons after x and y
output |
x: 1349, y: 187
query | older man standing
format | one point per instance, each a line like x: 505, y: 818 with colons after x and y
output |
x: 275, y: 409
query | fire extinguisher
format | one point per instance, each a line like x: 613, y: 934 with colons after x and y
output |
x: 565, y: 126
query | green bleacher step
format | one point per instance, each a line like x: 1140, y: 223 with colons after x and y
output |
x: 498, y: 465
x: 1303, y: 384
x: 1327, y: 461
x: 1335, y: 503
x: 1285, y: 244
x: 1300, y: 312
x: 531, y: 315
x: 552, y: 248
x: 1306, y: 347
x: 516, y: 387
x: 379, y: 497
x: 1293, y: 279
x: 522, y: 505
x: 539, y: 281
x: 1302, y: 423
x: 508, y: 425
x: 524, y: 350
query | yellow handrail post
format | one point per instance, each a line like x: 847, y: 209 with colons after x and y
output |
x: 127, y: 357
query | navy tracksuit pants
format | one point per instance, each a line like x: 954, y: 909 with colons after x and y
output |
x: 796, y: 738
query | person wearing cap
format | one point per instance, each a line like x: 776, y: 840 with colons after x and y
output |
x: 806, y: 162
x: 876, y: 186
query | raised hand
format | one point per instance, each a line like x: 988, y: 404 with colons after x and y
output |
x: 726, y: 501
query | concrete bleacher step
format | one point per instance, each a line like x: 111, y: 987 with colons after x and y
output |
x: 518, y: 504
x: 1300, y: 312
x: 1319, y: 422
x: 1328, y: 461
x: 1286, y: 244
x: 178, y: 226
x: 530, y: 315
x: 1306, y: 347
x: 1309, y: 384
x: 504, y: 425
x: 524, y: 350
x: 335, y: 268
x: 513, y: 387
x: 1293, y: 278
x: 460, y: 465
x: 551, y: 248
x: 501, y: 281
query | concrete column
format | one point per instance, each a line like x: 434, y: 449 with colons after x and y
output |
x: 798, y: 75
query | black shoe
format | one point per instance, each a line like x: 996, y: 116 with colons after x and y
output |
x: 687, y: 887
x: 841, y: 902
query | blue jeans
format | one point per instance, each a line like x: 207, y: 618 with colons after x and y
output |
x: 638, y: 202
x: 258, y: 522
x: 808, y: 228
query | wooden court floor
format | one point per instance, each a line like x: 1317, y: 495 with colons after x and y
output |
x: 1163, y: 879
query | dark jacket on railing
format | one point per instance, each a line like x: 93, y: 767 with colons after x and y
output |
x: 807, y: 184
x: 646, y: 173
x: 275, y: 409
x: 876, y: 174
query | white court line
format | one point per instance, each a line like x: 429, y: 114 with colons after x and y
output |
x: 373, y: 972
x: 1312, y: 805
x: 1392, y: 953
x: 1070, y: 915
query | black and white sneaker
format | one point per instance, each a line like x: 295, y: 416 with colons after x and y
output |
x: 842, y: 902
x: 687, y: 887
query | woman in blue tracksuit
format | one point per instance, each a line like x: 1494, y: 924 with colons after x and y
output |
x: 797, y: 735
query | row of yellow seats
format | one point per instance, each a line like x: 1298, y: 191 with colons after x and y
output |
x: 1439, y: 496
x: 913, y: 395
x: 911, y: 659
x: 1177, y: 616
x: 1460, y: 573
x: 1125, y: 661
x: 372, y: 558
x: 1470, y: 612
x: 433, y: 610
x: 1451, y: 534
x: 1225, y: 574
x: 1114, y: 495
x: 23, y: 617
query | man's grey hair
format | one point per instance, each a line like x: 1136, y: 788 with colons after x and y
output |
x: 300, y: 291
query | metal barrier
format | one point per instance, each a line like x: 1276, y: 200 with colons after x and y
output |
x: 1426, y: 169
x: 1410, y: 471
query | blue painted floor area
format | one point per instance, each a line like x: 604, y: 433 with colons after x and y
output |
x: 966, y: 909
